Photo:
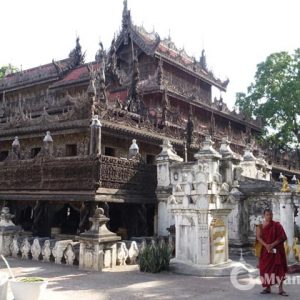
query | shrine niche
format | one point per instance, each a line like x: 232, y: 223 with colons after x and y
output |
x: 200, y: 218
x: 218, y: 241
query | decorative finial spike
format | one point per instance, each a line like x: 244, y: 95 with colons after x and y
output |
x: 203, y: 62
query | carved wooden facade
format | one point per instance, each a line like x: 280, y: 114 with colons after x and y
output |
x: 142, y: 87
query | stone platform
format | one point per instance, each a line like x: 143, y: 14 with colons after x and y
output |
x: 219, y: 270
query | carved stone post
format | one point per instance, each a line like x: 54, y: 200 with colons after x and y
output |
x: 98, y: 246
x: 249, y: 163
x: 7, y: 231
x: 164, y: 188
x: 237, y: 219
x: 95, y: 136
x: 238, y: 230
x: 287, y: 220
x: 228, y: 161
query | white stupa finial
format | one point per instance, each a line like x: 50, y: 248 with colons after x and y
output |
x: 48, y: 137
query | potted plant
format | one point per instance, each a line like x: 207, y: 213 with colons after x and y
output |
x: 27, y: 288
x: 24, y: 288
x: 3, y: 285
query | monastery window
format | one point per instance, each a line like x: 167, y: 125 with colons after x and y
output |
x: 3, y: 155
x: 109, y: 151
x: 35, y: 151
x: 71, y: 150
x: 150, y: 159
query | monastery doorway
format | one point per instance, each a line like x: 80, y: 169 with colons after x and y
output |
x: 131, y: 220
x: 67, y: 218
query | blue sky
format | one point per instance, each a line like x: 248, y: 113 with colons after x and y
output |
x: 236, y: 34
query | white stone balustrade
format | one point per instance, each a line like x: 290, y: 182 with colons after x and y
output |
x: 47, y: 249
x: 133, y: 252
x: 59, y: 249
x: 36, y: 248
x: 26, y: 247
x: 70, y: 253
x: 15, y: 247
x: 122, y: 253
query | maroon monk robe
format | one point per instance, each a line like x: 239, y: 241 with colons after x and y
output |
x: 273, y: 265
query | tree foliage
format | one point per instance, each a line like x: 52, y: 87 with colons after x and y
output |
x: 275, y: 97
x: 3, y: 70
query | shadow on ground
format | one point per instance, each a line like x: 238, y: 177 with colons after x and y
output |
x: 68, y: 283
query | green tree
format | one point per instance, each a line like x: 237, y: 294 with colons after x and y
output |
x: 274, y: 96
x: 3, y: 69
x: 2, y: 72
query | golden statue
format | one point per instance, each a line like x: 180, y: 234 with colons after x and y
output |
x: 296, y: 249
x: 287, y: 249
x: 285, y: 185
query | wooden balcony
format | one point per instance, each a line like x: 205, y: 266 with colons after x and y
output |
x: 85, y: 178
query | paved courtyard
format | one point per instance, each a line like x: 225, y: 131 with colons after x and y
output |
x: 68, y: 283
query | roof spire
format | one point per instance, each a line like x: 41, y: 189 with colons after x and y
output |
x: 125, y: 6
x: 76, y: 57
x: 126, y: 15
x: 203, y: 63
x: 126, y: 22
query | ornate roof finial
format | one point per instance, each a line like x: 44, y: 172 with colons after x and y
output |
x: 76, y: 56
x: 203, y: 63
x: 125, y: 7
x: 126, y: 22
x: 133, y: 101
x: 225, y: 83
x: 101, y: 53
x: 126, y: 19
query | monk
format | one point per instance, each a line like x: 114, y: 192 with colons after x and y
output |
x: 272, y: 261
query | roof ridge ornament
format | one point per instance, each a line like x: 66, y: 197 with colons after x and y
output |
x: 76, y: 57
